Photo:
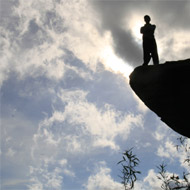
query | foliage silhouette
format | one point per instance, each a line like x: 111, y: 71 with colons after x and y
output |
x: 129, y: 172
x: 169, y: 181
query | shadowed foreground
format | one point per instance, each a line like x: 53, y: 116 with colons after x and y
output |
x: 165, y: 89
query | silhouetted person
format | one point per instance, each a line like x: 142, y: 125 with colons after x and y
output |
x: 149, y: 42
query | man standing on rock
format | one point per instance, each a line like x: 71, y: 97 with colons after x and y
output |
x: 149, y: 42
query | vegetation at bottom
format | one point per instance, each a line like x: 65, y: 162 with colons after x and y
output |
x: 130, y: 162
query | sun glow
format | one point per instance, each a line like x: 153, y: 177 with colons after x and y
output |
x: 135, y: 24
x: 116, y: 64
x: 135, y: 29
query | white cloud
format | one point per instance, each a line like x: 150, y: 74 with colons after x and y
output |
x: 79, y: 35
x: 43, y: 34
x: 10, y: 152
x: 152, y: 180
x: 69, y: 173
x: 104, y: 124
x: 16, y: 140
x: 50, y: 138
x: 79, y: 129
x: 15, y: 145
x: 161, y: 132
x: 83, y: 37
x: 149, y: 182
x: 79, y: 124
x: 28, y: 48
x: 65, y: 166
x: 36, y: 185
x: 13, y: 183
x: 169, y: 150
x: 63, y: 162
x: 102, y: 180
x: 48, y: 176
x: 5, y: 55
x: 176, y: 42
x: 54, y: 180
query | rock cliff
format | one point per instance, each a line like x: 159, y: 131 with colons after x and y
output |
x: 165, y: 89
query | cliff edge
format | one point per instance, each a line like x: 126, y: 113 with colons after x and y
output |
x: 165, y: 89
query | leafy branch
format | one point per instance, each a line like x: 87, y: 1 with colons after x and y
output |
x: 169, y: 181
x: 129, y: 172
x: 172, y: 182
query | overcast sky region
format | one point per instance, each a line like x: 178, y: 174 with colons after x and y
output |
x: 67, y: 110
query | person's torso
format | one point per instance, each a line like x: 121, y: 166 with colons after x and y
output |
x: 148, y: 31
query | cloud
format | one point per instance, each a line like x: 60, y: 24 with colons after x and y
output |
x: 152, y: 181
x: 14, y: 183
x: 16, y: 140
x: 104, y: 124
x: 28, y: 48
x: 121, y: 17
x: 102, y: 180
x: 73, y: 119
x: 52, y: 179
x: 169, y: 146
x: 10, y: 152
x: 65, y: 97
x: 35, y: 38
x: 67, y: 133
x: 96, y: 127
x: 48, y: 174
x: 113, y: 16
x: 63, y: 162
x: 162, y: 131
x: 171, y: 150
x: 168, y: 149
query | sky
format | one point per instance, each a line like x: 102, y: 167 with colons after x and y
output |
x: 67, y: 110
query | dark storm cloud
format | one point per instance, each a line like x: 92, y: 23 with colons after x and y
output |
x: 174, y: 13
x: 113, y: 15
x: 167, y: 15
x: 125, y: 46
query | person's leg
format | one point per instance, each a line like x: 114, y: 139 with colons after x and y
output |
x: 146, y: 56
x: 155, y: 55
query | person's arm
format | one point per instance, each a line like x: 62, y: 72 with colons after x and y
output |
x: 154, y: 27
x: 142, y: 30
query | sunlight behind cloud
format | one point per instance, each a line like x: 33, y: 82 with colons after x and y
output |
x: 135, y: 24
x: 136, y: 30
x: 116, y: 64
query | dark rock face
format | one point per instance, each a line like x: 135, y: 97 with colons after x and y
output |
x: 165, y: 89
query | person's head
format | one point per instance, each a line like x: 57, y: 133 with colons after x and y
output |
x: 147, y: 19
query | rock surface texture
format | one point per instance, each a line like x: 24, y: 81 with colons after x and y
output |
x: 165, y: 89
